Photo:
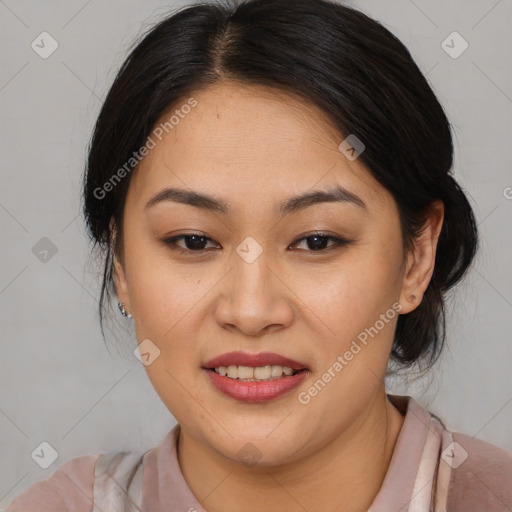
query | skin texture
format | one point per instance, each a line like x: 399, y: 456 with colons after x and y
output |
x: 254, y: 147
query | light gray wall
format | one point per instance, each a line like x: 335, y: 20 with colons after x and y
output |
x: 58, y: 381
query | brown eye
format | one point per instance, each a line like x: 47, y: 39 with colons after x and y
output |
x: 317, y: 242
x: 192, y: 241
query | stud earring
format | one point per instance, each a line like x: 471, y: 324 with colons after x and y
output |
x: 411, y: 298
x: 125, y: 313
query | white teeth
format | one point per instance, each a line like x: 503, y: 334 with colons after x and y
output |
x: 245, y: 372
x: 276, y: 371
x: 264, y: 372
x: 248, y: 373
x: 232, y: 372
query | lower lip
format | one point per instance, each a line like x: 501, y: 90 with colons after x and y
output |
x: 255, y: 391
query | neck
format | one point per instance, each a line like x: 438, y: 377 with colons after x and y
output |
x: 343, y: 475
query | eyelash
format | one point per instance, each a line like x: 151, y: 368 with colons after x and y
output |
x: 338, y: 242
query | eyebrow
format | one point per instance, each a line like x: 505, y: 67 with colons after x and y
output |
x: 336, y: 194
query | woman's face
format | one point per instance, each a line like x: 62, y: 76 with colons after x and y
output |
x: 257, y: 283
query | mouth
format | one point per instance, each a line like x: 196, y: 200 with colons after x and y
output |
x: 255, y: 377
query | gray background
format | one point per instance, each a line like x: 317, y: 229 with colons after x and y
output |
x: 59, y: 383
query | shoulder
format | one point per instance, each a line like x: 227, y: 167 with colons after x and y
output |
x: 68, y: 489
x: 481, y: 478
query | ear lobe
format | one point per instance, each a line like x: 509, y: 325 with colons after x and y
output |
x: 120, y: 280
x: 421, y: 260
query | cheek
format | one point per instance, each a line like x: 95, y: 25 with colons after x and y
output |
x: 162, y: 292
x: 351, y: 294
x: 354, y: 322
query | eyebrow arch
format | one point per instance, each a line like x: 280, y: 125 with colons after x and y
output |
x: 290, y: 205
x: 337, y: 194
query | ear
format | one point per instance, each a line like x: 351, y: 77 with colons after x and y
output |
x: 421, y: 260
x: 120, y: 282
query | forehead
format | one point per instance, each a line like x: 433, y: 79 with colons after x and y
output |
x: 248, y: 138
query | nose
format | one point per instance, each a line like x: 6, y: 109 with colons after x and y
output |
x: 254, y: 299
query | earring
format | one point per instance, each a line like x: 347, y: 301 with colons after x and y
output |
x: 411, y: 298
x: 120, y: 305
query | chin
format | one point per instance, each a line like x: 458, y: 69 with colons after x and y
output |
x: 254, y: 447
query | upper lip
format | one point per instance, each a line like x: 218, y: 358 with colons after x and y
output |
x: 253, y: 360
